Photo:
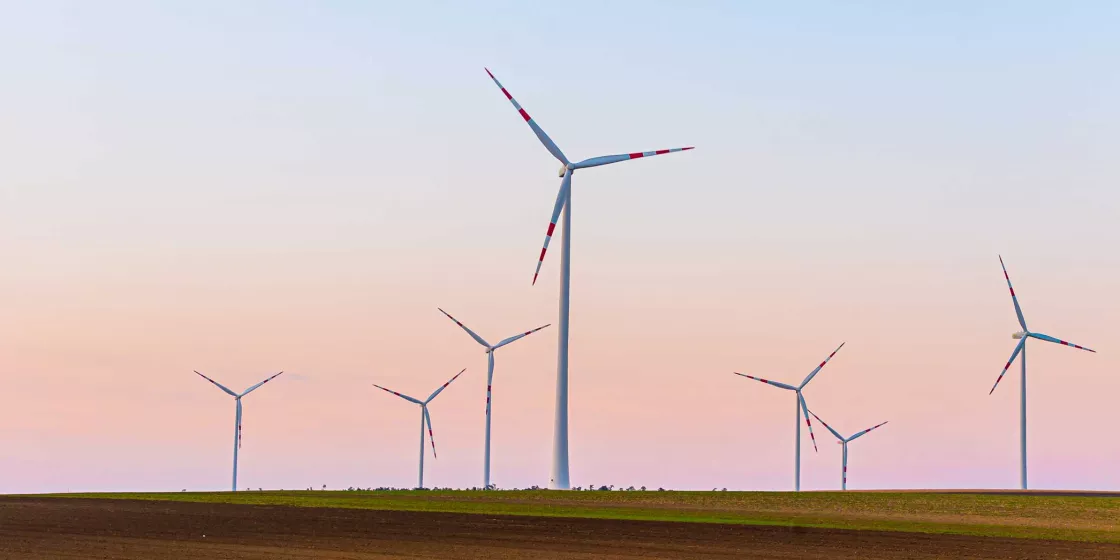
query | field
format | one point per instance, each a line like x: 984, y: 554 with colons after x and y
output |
x: 542, y: 524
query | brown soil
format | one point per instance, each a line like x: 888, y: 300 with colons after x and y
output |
x: 122, y: 529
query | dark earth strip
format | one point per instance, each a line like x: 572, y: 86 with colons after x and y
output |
x: 38, y: 528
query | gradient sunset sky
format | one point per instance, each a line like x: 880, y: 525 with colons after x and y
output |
x: 248, y: 187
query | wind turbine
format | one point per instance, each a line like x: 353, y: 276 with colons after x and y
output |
x: 1021, y: 348
x: 559, y: 479
x: 800, y: 406
x: 489, y: 381
x: 424, y: 417
x: 844, y: 440
x: 237, y: 429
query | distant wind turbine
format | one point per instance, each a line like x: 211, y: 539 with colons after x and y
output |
x: 237, y: 424
x: 559, y: 479
x: 424, y: 417
x: 489, y: 382
x: 844, y: 440
x: 1021, y: 348
x: 800, y: 406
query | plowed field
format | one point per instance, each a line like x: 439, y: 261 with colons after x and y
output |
x: 39, y: 528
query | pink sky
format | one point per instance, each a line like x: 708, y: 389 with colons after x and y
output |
x: 105, y: 397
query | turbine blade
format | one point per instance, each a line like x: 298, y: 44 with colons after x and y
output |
x: 604, y: 160
x: 239, y: 423
x: 490, y: 367
x: 834, y: 432
x: 861, y: 434
x: 1014, y: 299
x: 218, y: 385
x: 808, y: 422
x: 444, y: 386
x: 813, y: 373
x: 1018, y: 348
x: 405, y: 397
x: 517, y: 337
x: 476, y: 338
x: 548, y: 143
x: 431, y: 436
x: 1049, y: 338
x: 254, y: 387
x: 560, y: 198
x: 767, y: 381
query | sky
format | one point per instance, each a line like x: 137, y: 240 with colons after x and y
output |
x: 244, y: 188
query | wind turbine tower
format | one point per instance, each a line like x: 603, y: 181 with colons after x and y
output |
x: 1021, y: 352
x: 425, y: 417
x: 800, y: 406
x: 237, y: 422
x: 490, y: 348
x: 844, y: 440
x: 559, y: 479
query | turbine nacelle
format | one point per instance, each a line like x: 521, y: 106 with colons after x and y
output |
x: 563, y: 170
x: 1019, y: 335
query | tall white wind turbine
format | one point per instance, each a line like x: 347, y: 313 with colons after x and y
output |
x: 1021, y: 348
x: 559, y: 479
x: 237, y: 422
x: 800, y: 406
x: 424, y: 417
x: 844, y: 441
x: 490, y: 348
